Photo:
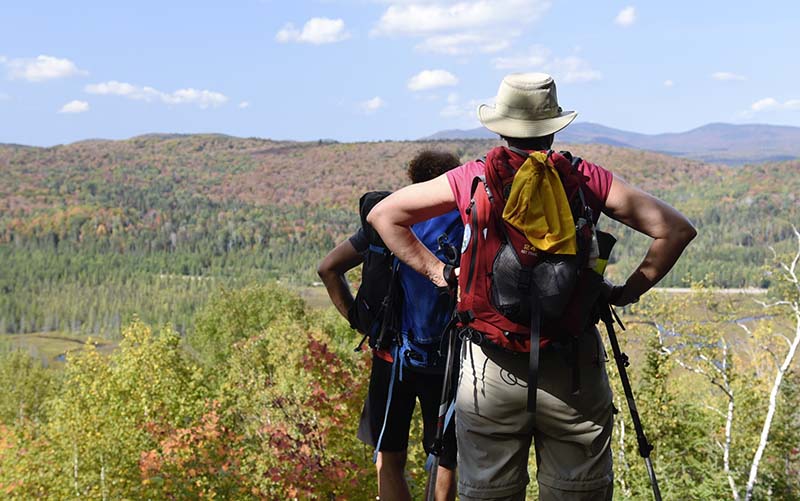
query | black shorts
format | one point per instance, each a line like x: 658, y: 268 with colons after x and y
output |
x: 426, y: 387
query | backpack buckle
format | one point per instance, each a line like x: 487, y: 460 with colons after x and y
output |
x: 465, y: 317
x: 471, y: 335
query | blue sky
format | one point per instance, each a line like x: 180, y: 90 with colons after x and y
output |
x: 363, y: 70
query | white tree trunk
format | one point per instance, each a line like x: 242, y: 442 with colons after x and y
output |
x: 790, y: 271
x: 726, y: 455
x: 773, y: 402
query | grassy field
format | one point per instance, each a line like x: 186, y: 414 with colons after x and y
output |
x: 53, y: 347
x: 315, y: 296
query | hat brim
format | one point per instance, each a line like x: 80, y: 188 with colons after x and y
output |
x: 516, y: 128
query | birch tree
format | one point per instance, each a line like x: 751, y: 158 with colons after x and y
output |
x: 790, y: 301
x: 706, y: 350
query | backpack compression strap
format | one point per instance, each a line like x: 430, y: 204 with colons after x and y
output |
x: 533, y: 357
x: 387, y: 305
x: 395, y: 358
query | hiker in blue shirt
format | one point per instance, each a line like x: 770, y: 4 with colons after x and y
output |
x: 386, y: 417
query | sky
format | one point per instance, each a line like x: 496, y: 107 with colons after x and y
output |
x: 369, y: 70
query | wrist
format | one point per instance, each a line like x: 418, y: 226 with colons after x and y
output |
x: 615, y: 294
x: 621, y: 295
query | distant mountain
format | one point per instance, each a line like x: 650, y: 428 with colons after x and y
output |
x: 15, y: 145
x: 719, y: 143
x: 450, y: 134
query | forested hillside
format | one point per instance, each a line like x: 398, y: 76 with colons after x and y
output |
x: 729, y: 144
x: 93, y: 232
x: 215, y: 380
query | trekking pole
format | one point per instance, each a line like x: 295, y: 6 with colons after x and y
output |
x: 444, y: 404
x: 444, y: 401
x: 622, y: 362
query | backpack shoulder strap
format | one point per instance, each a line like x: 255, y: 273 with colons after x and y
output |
x: 519, y: 151
x: 365, y: 204
x: 475, y: 182
x: 576, y: 161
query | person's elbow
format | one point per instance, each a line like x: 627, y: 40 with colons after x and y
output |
x: 691, y: 232
x: 376, y: 217
x: 685, y: 232
x: 324, y: 270
x: 328, y: 269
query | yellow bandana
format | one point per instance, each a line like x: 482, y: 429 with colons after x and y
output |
x: 538, y: 206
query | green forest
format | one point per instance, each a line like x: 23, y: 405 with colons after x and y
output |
x: 98, y: 231
x: 154, y: 343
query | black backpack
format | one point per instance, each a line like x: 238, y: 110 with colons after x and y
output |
x: 372, y: 312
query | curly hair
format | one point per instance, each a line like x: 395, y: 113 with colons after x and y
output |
x: 428, y: 164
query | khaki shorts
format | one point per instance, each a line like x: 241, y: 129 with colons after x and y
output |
x: 571, y: 433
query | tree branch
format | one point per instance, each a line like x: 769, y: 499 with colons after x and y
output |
x: 715, y: 410
x: 773, y: 397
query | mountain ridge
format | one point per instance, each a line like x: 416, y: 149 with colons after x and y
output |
x: 719, y: 143
x: 732, y: 144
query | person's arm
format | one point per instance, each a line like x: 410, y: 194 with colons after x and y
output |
x: 331, y: 270
x: 393, y: 216
x: 670, y: 230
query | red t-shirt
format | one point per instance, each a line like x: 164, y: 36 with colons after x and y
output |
x: 598, y: 183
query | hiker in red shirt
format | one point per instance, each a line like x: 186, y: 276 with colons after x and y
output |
x: 571, y: 430
x: 386, y: 418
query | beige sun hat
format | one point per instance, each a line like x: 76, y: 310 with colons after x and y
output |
x: 526, y: 106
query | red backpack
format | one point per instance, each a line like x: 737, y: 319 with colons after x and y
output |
x: 512, y: 294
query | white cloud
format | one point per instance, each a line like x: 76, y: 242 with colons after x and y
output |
x: 114, y: 88
x: 772, y: 104
x: 289, y: 33
x: 430, y: 18
x: 535, y: 59
x: 40, y: 68
x: 463, y: 112
x: 573, y: 69
x: 463, y: 43
x: 626, y: 16
x: 75, y: 106
x: 570, y: 69
x: 372, y: 105
x: 765, y: 104
x: 727, y: 76
x: 317, y: 31
x: 202, y: 98
x: 669, y: 83
x: 769, y: 105
x: 244, y: 104
x: 431, y: 79
x: 459, y: 27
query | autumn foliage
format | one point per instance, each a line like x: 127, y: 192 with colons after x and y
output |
x: 274, y: 419
x: 201, y: 461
